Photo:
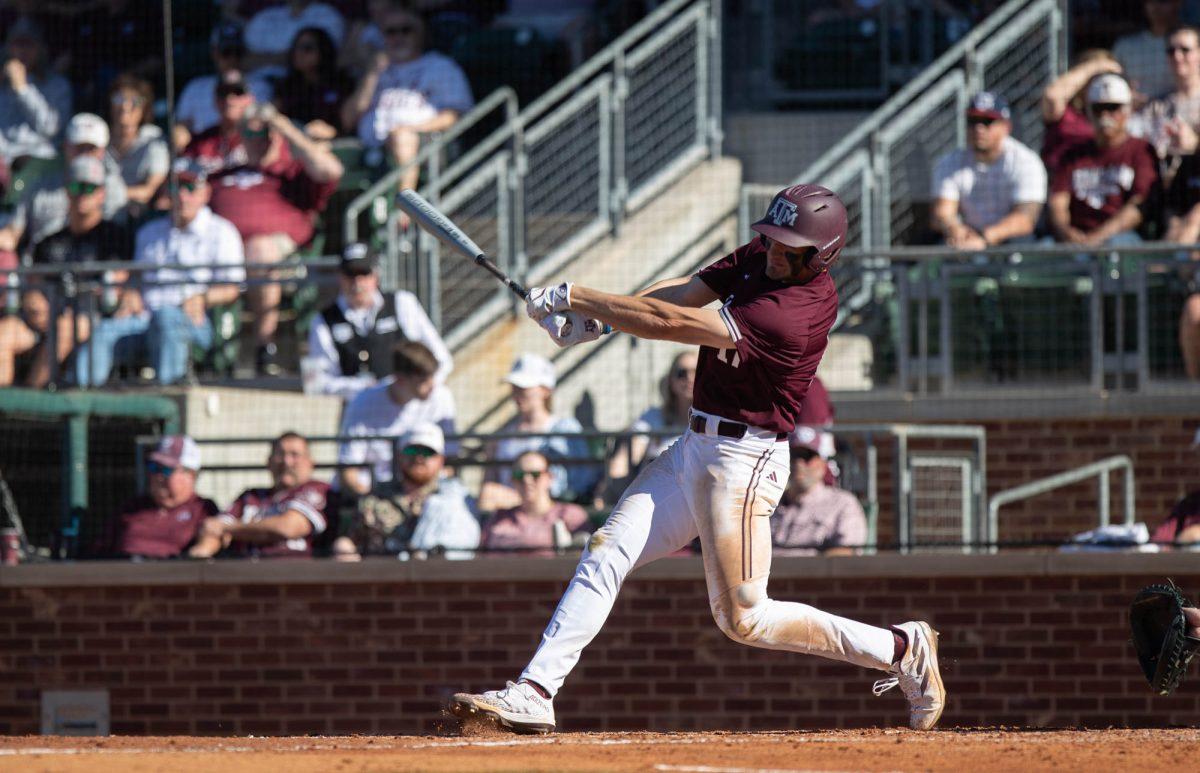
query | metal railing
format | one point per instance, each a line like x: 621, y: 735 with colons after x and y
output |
x: 882, y: 168
x: 567, y: 170
x: 1099, y: 469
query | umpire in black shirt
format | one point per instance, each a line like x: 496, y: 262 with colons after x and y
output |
x: 351, y: 341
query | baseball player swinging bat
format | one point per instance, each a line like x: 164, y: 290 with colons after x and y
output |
x: 724, y: 477
x: 432, y: 220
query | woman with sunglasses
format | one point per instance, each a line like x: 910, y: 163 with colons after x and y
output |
x: 314, y: 89
x: 538, y: 525
x: 137, y: 145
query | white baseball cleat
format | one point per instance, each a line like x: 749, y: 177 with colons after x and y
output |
x: 918, y: 676
x: 517, y: 707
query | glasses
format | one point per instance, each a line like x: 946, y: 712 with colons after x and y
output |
x: 400, y: 29
x: 519, y: 475
x: 120, y: 100
x: 1173, y: 50
x: 1106, y: 107
x: 81, y: 189
x: 186, y: 185
x: 984, y: 122
x: 155, y: 468
x: 418, y: 452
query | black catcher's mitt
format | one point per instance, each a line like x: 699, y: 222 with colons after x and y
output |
x: 1160, y: 636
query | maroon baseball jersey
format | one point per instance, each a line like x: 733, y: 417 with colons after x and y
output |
x: 780, y: 332
x: 216, y: 151
x: 1102, y: 180
x: 309, y: 499
x: 143, y: 529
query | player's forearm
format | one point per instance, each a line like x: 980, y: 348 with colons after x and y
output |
x: 651, y: 318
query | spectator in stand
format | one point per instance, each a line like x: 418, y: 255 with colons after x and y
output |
x: 813, y: 516
x: 1182, y: 526
x: 164, y: 521
x: 273, y: 199
x: 270, y: 32
x: 220, y: 146
x: 406, y: 92
x: 34, y: 101
x: 420, y: 511
x: 395, y: 406
x: 200, y: 107
x: 1064, y: 110
x: 533, y: 381
x: 1099, y: 192
x: 1170, y: 121
x: 1141, y: 53
x: 537, y: 523
x: 350, y: 343
x: 1183, y: 227
x: 43, y: 207
x: 88, y: 237
x: 628, y: 458
x: 277, y: 522
x: 992, y: 192
x: 314, y: 88
x: 137, y: 146
x: 160, y: 314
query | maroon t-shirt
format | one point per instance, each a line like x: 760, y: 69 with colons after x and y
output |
x: 1060, y: 136
x: 309, y: 499
x: 216, y: 151
x: 1102, y: 180
x: 780, y: 332
x: 142, y: 528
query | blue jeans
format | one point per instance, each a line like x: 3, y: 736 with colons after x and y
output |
x: 165, y: 335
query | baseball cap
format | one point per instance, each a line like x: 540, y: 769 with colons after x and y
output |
x: 232, y: 82
x: 177, y: 451
x: 426, y: 436
x: 227, y: 36
x: 189, y: 169
x: 813, y: 439
x: 86, y: 169
x: 1109, y: 89
x: 358, y: 258
x: 989, y: 104
x: 531, y: 370
x: 87, y: 129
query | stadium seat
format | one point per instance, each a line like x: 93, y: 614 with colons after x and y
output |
x: 27, y: 171
x: 220, y: 358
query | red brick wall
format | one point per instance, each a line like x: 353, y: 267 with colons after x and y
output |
x: 1165, y: 468
x: 381, y: 657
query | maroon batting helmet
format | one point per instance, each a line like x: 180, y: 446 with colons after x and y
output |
x: 807, y: 216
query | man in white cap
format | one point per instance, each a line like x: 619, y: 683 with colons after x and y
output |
x: 164, y: 521
x: 421, y: 510
x: 533, y: 381
x: 42, y: 209
x: 88, y: 237
x: 1098, y: 193
x: 814, y: 516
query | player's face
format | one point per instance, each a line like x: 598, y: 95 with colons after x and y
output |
x: 290, y: 463
x: 789, y: 264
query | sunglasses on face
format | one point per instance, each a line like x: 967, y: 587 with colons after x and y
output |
x: 81, y: 189
x: 186, y: 185
x: 985, y: 122
x: 155, y: 468
x: 520, y: 475
x: 1105, y: 107
x: 231, y: 91
x: 418, y: 452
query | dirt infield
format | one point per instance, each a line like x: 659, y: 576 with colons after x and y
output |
x: 787, y: 752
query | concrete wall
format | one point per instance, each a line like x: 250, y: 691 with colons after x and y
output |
x: 300, y: 647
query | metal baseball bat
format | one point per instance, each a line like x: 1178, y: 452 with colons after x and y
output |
x: 428, y: 217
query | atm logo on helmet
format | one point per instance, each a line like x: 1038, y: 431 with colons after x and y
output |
x: 782, y: 212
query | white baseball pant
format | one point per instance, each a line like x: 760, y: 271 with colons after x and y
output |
x: 723, y: 490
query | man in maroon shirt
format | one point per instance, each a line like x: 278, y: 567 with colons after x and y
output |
x: 271, y: 184
x: 163, y: 522
x: 1102, y: 187
x: 275, y: 522
x: 722, y: 480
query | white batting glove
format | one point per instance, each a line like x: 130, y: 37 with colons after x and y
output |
x: 544, y: 301
x: 569, y: 328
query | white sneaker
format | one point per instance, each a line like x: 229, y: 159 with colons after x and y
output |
x: 918, y: 676
x: 518, y: 707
